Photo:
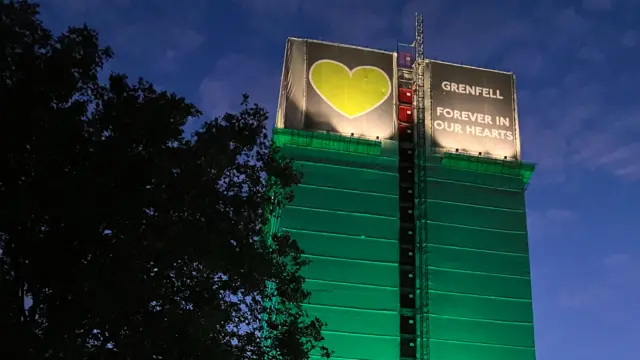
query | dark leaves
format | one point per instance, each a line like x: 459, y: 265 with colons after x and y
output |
x: 131, y: 240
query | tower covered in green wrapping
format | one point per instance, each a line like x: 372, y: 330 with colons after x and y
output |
x: 476, y: 264
x: 345, y: 217
x: 412, y: 206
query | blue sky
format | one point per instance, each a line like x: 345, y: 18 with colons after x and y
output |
x: 577, y: 68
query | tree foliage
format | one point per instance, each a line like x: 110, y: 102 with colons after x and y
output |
x: 126, y: 238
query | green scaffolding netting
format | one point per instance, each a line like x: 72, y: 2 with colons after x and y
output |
x: 328, y: 141
x: 345, y: 217
x: 477, y: 265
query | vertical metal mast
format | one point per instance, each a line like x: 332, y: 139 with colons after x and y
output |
x: 421, y: 195
x: 419, y: 68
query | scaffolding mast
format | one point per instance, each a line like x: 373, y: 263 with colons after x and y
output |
x: 421, y: 194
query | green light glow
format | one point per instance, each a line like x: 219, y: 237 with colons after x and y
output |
x: 345, y: 217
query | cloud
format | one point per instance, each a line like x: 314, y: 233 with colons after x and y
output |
x: 630, y: 39
x: 525, y: 62
x: 368, y: 23
x: 233, y: 75
x: 560, y: 215
x: 161, y: 44
x: 542, y: 223
x: 551, y: 117
x: 554, y: 215
x: 181, y: 41
x: 365, y: 28
x: 577, y: 125
x: 559, y: 32
x: 597, y: 5
x: 83, y: 6
x: 617, y: 259
x: 568, y: 125
x: 631, y: 172
x: 587, y: 298
x: 591, y: 53
x: 608, y: 287
x: 159, y: 38
x: 471, y: 36
x: 270, y: 7
x: 608, y: 151
x: 571, y: 22
x: 620, y: 154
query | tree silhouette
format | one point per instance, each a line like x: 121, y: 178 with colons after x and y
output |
x: 125, y: 238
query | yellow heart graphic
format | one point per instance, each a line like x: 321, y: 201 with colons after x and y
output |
x: 350, y: 92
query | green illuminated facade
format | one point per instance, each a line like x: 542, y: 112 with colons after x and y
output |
x: 418, y: 239
x: 469, y: 267
x: 475, y: 269
x: 345, y: 217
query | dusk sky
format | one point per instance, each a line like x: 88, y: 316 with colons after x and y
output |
x: 577, y: 68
